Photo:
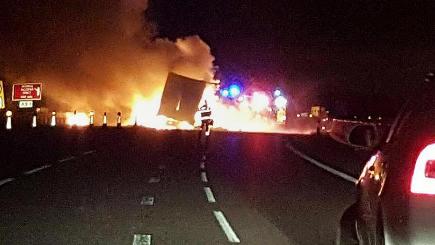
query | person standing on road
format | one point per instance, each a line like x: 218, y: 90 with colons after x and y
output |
x: 206, y: 119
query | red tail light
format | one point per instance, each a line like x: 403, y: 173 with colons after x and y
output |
x: 423, y: 179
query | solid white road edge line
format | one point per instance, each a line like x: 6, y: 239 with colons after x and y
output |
x: 4, y: 181
x: 204, y: 177
x: 209, y: 194
x: 226, y: 227
x: 323, y: 166
x: 36, y: 169
x: 88, y: 152
x: 139, y: 239
x: 66, y: 159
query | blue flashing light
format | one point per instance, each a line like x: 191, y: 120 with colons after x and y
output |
x: 225, y: 92
x: 277, y: 93
x: 234, y: 91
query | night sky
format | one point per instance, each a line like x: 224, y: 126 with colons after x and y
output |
x: 353, y: 56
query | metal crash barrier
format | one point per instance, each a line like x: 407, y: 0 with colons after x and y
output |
x: 343, y: 131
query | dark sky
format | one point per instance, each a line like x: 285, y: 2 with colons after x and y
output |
x: 353, y: 56
x: 364, y: 53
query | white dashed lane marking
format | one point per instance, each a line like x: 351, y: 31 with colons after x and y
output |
x: 202, y: 165
x: 5, y: 181
x: 154, y: 180
x: 226, y: 227
x: 147, y: 201
x: 209, y: 194
x: 140, y: 239
x: 204, y: 177
x: 66, y: 159
x: 37, y: 169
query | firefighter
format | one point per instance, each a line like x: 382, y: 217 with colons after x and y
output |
x: 206, y: 119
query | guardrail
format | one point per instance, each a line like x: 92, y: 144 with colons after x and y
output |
x: 341, y: 130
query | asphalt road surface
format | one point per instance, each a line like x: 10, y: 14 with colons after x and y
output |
x: 139, y: 186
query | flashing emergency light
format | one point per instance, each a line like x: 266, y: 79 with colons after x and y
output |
x: 225, y: 92
x: 260, y: 101
x: 234, y: 90
x: 280, y: 102
x: 277, y: 93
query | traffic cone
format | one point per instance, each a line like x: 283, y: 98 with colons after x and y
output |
x: 9, y: 120
x: 118, y: 120
x: 91, y: 118
x: 53, y: 119
x: 34, y: 120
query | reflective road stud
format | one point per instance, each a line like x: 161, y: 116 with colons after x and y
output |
x: 53, y: 119
x: 105, y: 119
x: 9, y: 120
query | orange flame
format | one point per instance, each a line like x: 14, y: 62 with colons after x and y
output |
x: 79, y: 119
x: 240, y: 117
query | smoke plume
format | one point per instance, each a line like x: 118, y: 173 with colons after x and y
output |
x: 93, y: 54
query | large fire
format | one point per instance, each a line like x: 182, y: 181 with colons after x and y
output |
x: 77, y: 119
x: 243, y: 116
x: 119, y: 50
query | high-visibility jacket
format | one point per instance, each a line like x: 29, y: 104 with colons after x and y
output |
x: 205, y: 113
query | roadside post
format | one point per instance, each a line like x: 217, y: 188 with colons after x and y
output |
x: 118, y: 120
x: 8, y: 120
x: 105, y: 119
x: 34, y: 123
x: 91, y: 118
x: 53, y: 119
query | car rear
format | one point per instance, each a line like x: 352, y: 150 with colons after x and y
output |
x: 408, y: 199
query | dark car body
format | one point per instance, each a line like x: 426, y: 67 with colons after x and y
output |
x: 396, y: 196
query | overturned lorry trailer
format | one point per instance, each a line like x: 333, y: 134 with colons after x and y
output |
x: 181, y: 97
